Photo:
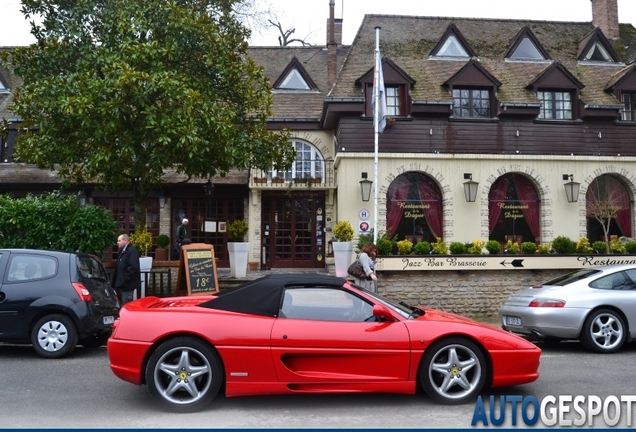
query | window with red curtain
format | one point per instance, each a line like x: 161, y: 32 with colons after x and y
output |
x: 514, y: 205
x: 414, y: 208
x: 611, y: 191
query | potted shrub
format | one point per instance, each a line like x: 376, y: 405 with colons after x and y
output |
x: 583, y: 246
x: 342, y: 247
x: 630, y: 246
x: 422, y: 248
x: 512, y: 247
x: 384, y: 246
x: 493, y: 247
x: 528, y: 248
x: 600, y: 247
x: 457, y: 248
x: 405, y: 247
x: 564, y: 245
x: 476, y: 247
x: 440, y: 247
x: 142, y: 240
x: 161, y: 252
x: 237, y: 247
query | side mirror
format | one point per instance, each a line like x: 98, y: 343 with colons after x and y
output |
x: 382, y: 313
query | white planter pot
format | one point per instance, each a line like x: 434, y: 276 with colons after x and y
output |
x: 145, y: 265
x: 238, y: 258
x: 342, y: 254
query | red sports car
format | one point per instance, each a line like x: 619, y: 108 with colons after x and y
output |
x: 308, y: 333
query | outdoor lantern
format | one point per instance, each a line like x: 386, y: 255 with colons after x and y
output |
x: 365, y: 187
x: 209, y: 188
x: 162, y: 201
x: 571, y: 188
x: 470, y: 188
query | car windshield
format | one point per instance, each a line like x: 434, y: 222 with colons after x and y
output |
x: 571, y: 277
x: 400, y: 309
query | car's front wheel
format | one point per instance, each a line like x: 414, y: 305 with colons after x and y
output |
x: 54, y: 336
x: 604, y: 331
x: 453, y: 371
x: 184, y: 374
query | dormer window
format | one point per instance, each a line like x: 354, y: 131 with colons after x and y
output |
x: 471, y: 103
x: 397, y: 85
x: 555, y: 105
x: 595, y: 47
x: 293, y: 81
x: 452, y: 48
x: 526, y: 51
x: 597, y: 53
x: 3, y: 87
x: 629, y: 106
x: 452, y: 45
x: 294, y: 77
x: 393, y: 105
x: 526, y: 47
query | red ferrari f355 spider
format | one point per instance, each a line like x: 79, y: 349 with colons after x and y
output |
x: 309, y: 333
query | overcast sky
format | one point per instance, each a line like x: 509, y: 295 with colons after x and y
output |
x: 309, y: 17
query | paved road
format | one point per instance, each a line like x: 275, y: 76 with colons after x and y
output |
x: 80, y: 391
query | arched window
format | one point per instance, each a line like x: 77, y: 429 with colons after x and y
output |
x: 414, y: 208
x: 309, y: 163
x: 513, y: 206
x: 608, y: 201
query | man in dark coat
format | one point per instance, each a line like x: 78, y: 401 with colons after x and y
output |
x: 182, y: 238
x: 127, y: 276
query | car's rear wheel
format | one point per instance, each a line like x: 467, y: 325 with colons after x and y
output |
x: 604, y: 331
x: 184, y: 374
x: 453, y: 371
x: 54, y: 336
x: 95, y: 340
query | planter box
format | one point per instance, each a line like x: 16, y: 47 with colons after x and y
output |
x: 277, y: 180
x: 343, y: 256
x: 238, y: 252
x: 260, y: 180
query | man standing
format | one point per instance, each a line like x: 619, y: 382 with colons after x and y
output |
x: 182, y: 238
x: 127, y: 276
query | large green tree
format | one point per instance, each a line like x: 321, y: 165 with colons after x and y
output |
x: 116, y: 91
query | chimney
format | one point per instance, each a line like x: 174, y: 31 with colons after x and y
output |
x: 332, y: 44
x: 605, y: 16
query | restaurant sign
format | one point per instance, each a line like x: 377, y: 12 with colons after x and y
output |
x: 498, y: 262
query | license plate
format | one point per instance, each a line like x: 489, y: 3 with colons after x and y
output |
x: 510, y: 320
x: 109, y: 320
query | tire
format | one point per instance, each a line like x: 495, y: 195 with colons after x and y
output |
x: 184, y: 374
x: 95, y: 340
x: 604, y: 331
x: 453, y: 371
x: 54, y: 336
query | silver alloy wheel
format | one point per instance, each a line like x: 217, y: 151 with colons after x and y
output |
x: 52, y: 336
x: 455, y: 371
x: 606, y: 331
x: 183, y: 375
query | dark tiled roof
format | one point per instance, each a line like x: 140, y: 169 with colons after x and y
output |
x: 297, y: 104
x: 408, y: 41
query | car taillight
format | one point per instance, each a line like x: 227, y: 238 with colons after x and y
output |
x: 547, y: 303
x: 82, y: 292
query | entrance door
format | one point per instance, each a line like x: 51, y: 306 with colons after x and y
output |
x: 293, y: 231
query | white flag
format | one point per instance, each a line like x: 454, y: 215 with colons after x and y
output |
x: 379, y: 96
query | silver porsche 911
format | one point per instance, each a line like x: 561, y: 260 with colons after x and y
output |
x: 596, y: 305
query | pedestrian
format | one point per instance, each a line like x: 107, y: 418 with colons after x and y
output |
x: 127, y: 275
x: 366, y: 258
x: 182, y: 238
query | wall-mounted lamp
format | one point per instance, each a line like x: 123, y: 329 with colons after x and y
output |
x: 162, y: 201
x: 208, y: 187
x: 470, y: 188
x: 571, y: 188
x: 82, y: 199
x: 365, y: 187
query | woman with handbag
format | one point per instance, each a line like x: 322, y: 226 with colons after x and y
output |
x: 366, y: 258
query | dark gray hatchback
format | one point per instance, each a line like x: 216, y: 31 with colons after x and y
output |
x: 55, y: 300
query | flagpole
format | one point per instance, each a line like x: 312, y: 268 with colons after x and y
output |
x: 376, y: 125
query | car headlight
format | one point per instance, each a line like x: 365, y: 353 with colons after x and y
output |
x: 544, y: 302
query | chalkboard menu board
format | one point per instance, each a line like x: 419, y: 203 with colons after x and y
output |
x: 197, y: 270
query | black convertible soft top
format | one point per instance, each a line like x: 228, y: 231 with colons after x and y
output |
x: 263, y: 296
